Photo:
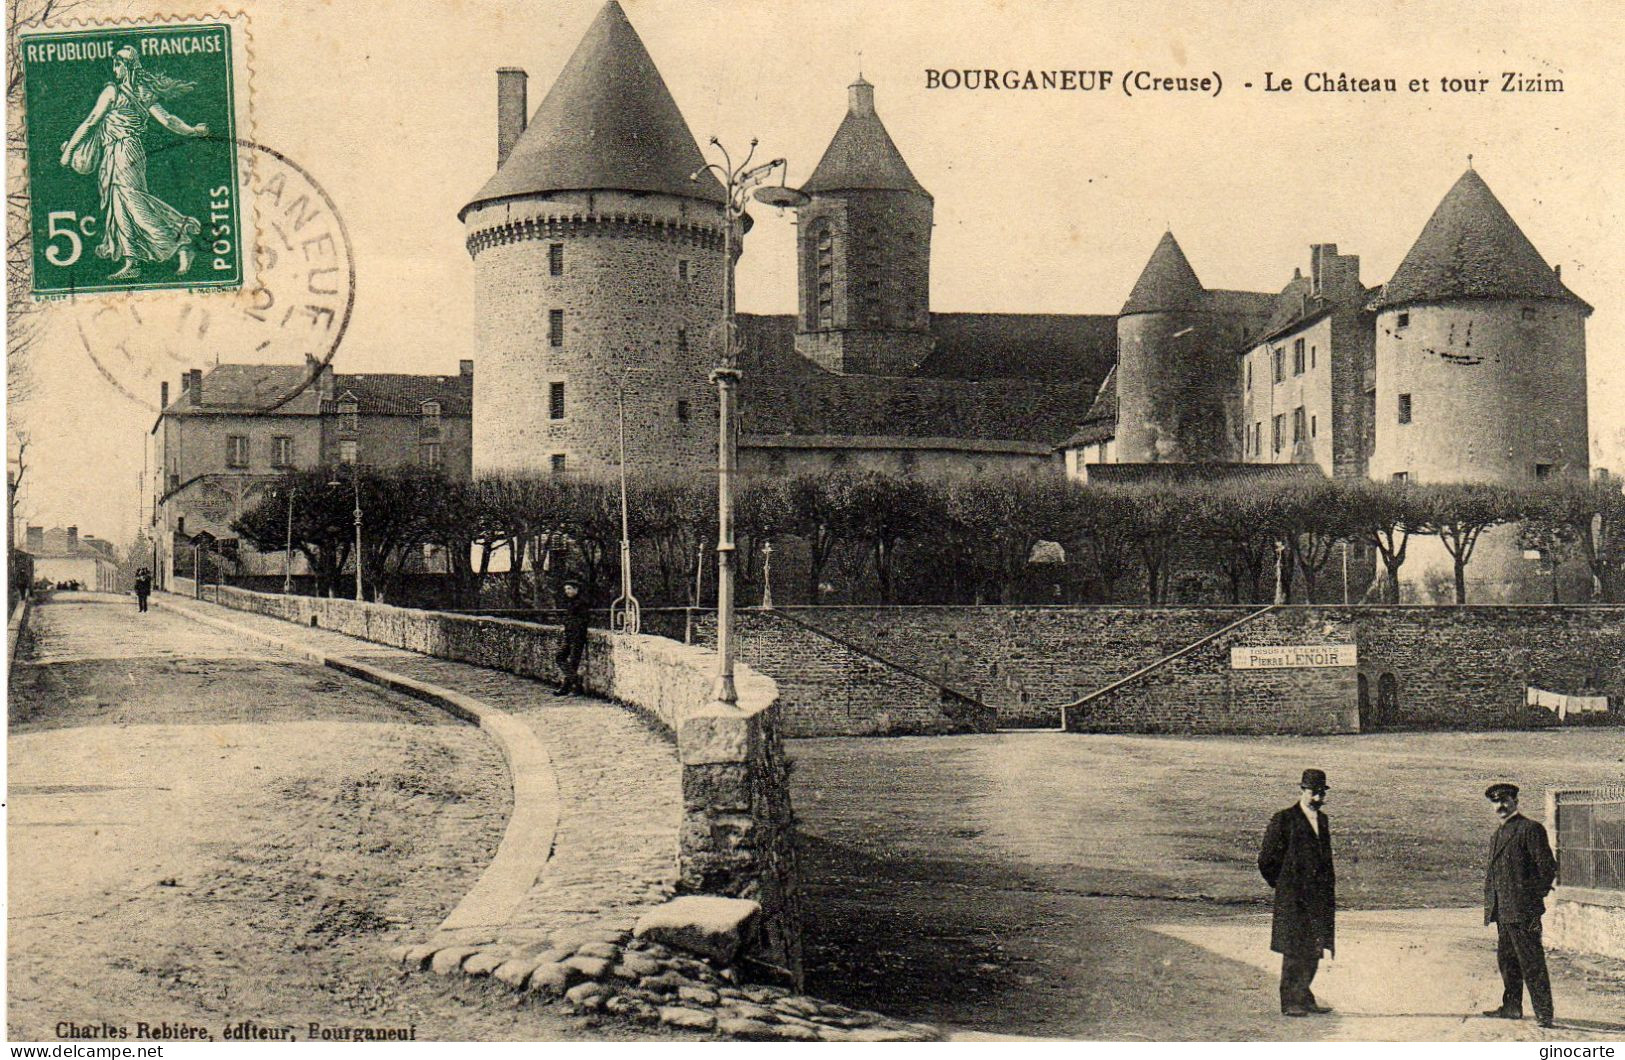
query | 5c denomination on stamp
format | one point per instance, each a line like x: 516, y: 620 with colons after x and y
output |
x: 132, y: 133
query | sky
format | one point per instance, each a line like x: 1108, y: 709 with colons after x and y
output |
x: 1046, y: 201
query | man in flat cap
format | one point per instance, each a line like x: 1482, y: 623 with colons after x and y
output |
x: 1296, y: 860
x: 577, y: 616
x: 1520, y: 874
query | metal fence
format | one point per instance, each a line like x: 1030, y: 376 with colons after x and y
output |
x: 1591, y: 837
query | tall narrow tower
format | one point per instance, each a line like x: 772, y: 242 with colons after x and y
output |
x: 597, y: 265
x: 1174, y: 381
x: 864, y: 245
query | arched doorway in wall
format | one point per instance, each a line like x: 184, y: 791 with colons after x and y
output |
x: 1387, y: 700
x: 1367, y: 722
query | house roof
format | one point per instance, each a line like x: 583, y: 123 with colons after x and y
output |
x: 862, y: 154
x: 1167, y: 283
x: 56, y: 547
x: 608, y: 123
x: 1472, y: 248
x: 393, y: 394
x: 240, y: 388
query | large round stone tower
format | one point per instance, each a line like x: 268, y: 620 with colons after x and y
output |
x: 1172, y: 387
x: 597, y: 264
x: 1480, y: 371
x: 864, y: 249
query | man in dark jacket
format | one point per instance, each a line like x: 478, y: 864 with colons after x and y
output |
x: 1521, y: 872
x: 143, y: 588
x: 577, y: 614
x: 1296, y: 860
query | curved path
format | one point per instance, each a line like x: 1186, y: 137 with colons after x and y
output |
x: 598, y: 797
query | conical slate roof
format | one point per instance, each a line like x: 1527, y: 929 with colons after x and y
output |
x: 862, y: 155
x: 608, y: 123
x: 1472, y: 248
x: 1167, y: 283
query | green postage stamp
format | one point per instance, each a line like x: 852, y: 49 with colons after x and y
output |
x: 133, y: 150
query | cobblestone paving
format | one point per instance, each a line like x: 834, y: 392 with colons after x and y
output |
x: 620, y: 797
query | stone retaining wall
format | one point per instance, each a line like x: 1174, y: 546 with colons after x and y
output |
x: 1421, y: 667
x: 736, y: 837
x: 1587, y: 922
x: 830, y: 688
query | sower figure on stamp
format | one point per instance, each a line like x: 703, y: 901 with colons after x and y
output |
x: 136, y: 225
x: 577, y: 613
x: 1296, y: 860
x: 143, y: 588
x: 1520, y: 874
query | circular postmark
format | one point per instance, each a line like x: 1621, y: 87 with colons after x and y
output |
x: 294, y: 311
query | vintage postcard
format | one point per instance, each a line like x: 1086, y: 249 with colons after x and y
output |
x: 666, y: 521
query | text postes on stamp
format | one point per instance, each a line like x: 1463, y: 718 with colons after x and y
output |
x: 132, y: 134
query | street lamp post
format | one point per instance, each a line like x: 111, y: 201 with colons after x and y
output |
x: 767, y: 576
x: 355, y: 480
x: 738, y: 181
x: 623, y: 613
x: 287, y: 553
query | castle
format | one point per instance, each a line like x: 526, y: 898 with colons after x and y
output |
x: 598, y: 258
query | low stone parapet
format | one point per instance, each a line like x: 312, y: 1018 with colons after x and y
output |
x: 736, y: 839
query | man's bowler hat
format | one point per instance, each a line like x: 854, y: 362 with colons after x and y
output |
x: 1314, y: 780
x: 1495, y: 791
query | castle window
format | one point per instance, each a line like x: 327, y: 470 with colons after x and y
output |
x: 555, y: 401
x: 429, y: 420
x: 682, y: 410
x: 555, y: 259
x: 1277, y: 432
x: 1543, y: 470
x: 347, y: 451
x: 1298, y: 425
x: 555, y: 327
x: 1279, y: 354
x: 1311, y: 356
x: 1404, y: 408
x: 1258, y: 439
x: 1528, y: 313
x: 1403, y: 320
x: 682, y: 340
x: 348, y: 416
x: 1249, y: 375
x: 237, y: 450
x: 1297, y: 357
x: 825, y: 267
x: 1401, y: 478
x: 429, y: 454
x: 682, y: 270
x: 556, y: 463
x: 1314, y: 426
x: 282, y: 451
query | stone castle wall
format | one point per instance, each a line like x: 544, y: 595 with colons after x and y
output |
x: 641, y: 289
x: 1174, y: 399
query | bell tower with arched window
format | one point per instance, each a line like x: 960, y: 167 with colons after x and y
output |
x: 865, y: 252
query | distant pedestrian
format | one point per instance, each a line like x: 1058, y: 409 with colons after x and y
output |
x: 1520, y: 874
x: 1296, y: 860
x: 577, y: 614
x: 143, y: 587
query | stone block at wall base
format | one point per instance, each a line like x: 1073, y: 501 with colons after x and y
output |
x: 1589, y: 922
x: 709, y: 926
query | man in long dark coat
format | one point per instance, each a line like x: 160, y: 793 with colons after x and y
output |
x: 1296, y: 860
x: 577, y: 616
x: 1521, y: 872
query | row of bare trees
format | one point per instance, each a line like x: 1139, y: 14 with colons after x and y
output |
x: 964, y: 539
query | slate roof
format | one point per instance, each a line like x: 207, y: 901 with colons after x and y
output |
x: 862, y: 154
x: 1472, y: 248
x: 1100, y: 422
x: 239, y: 388
x: 1041, y: 412
x: 1166, y: 283
x: 1058, y: 346
x: 56, y: 546
x: 609, y: 122
x: 391, y: 394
